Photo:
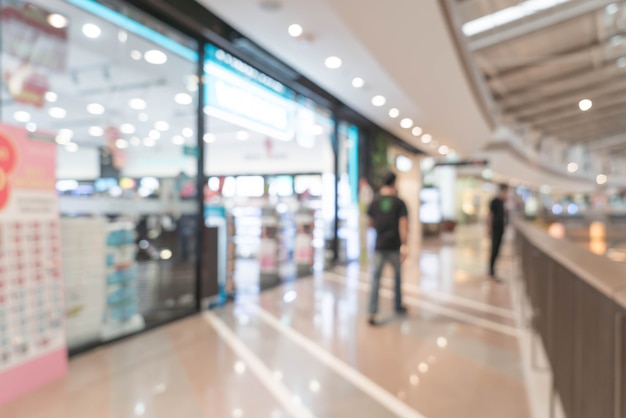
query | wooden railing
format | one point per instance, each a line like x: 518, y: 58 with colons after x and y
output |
x: 579, y: 308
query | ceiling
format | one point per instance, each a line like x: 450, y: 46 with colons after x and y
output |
x: 540, y: 66
x: 405, y: 53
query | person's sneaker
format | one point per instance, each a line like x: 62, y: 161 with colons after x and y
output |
x: 402, y: 310
x: 372, y: 320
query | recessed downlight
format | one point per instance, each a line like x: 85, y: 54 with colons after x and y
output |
x: 135, y: 141
x: 209, y: 138
x: 417, y: 131
x: 149, y: 142
x: 128, y: 128
x: 95, y: 108
x: 601, y: 179
x: 333, y: 62
x: 183, y: 99
x: 57, y: 112
x: 96, y: 131
x: 91, y: 30
x: 64, y: 136
x: 187, y: 132
x: 295, y: 30
x: 427, y: 139
x: 406, y: 123
x: 443, y: 150
x: 379, y: 101
x: 572, y: 167
x: 57, y: 21
x: 178, y: 140
x: 137, y: 104
x: 121, y: 143
x: 162, y: 126
x: 122, y: 36
x: 394, y: 113
x: 358, y: 82
x: 136, y: 55
x: 22, y: 116
x: 585, y: 105
x: 154, y: 134
x: 51, y: 96
x: 31, y: 127
x: 155, y: 56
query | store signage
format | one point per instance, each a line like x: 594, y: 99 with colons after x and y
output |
x: 32, y: 337
x: 234, y: 64
x: 248, y: 103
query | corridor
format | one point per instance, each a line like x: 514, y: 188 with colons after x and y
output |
x: 306, y: 350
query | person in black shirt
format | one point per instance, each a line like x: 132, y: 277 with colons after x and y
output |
x: 389, y: 216
x: 496, y: 224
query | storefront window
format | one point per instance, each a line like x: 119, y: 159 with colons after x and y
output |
x: 348, y: 191
x: 118, y: 100
x: 268, y: 158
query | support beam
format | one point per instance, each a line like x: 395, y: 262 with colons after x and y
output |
x: 566, y: 12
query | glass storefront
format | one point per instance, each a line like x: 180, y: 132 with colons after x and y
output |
x: 117, y: 98
x: 131, y: 136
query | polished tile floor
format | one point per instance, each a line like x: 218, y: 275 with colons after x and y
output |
x: 305, y: 350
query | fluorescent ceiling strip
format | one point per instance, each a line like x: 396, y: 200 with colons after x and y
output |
x: 508, y: 15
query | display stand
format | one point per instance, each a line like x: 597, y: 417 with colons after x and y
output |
x: 32, y: 337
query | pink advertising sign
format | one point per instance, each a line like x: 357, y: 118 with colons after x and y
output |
x: 32, y: 335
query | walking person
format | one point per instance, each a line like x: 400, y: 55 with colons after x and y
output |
x: 388, y: 215
x: 496, y: 223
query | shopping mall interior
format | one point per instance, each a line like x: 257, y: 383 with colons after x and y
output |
x: 191, y: 196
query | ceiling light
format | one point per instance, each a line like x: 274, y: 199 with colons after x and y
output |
x: 612, y: 9
x: 417, y: 131
x: 137, y: 104
x: 443, y: 150
x: 136, y: 55
x: 64, y: 136
x: 149, y: 142
x: 379, y: 101
x: 585, y: 104
x: 295, y: 30
x: 128, y: 129
x: 154, y: 134
x: 406, y: 123
x: 162, y: 126
x: 121, y: 143
x: 394, y: 113
x: 51, y: 96
x: 333, y: 63
x: 358, y: 82
x: 71, y: 147
x: 57, y: 112
x: 508, y: 15
x: 601, y: 179
x: 155, y: 56
x: 209, y: 138
x: 237, y: 413
x: 122, y: 36
x: 187, y: 132
x: 57, y: 21
x: 31, y: 126
x: 91, y: 31
x: 621, y: 62
x: 95, y: 108
x: 143, y: 116
x: 135, y: 141
x: 96, y: 131
x: 317, y: 130
x: 178, y: 140
x: 21, y: 116
x: 572, y: 167
x: 183, y: 99
x: 243, y: 135
x: 427, y: 138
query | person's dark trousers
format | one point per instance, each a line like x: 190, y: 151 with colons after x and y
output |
x: 496, y: 242
x: 393, y: 258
